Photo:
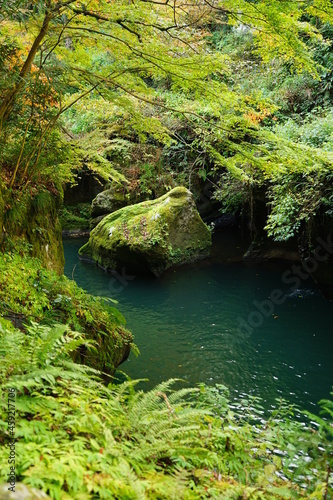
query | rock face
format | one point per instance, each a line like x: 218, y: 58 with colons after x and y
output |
x: 150, y: 236
x: 208, y: 208
x: 34, y: 219
x: 267, y: 250
x: 107, y: 202
x: 110, y: 201
x: 87, y: 186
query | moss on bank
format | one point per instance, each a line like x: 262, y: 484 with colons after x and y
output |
x: 32, y: 216
x: 151, y: 236
x: 28, y: 292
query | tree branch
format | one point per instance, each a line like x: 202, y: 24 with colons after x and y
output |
x: 8, y: 101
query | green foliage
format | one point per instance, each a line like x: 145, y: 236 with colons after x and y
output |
x: 288, y: 148
x: 295, y: 200
x: 77, y: 438
x: 76, y: 217
x: 31, y: 216
x: 111, y: 86
x: 232, y: 193
x: 316, y: 130
x: 30, y: 293
x: 111, y: 63
x: 304, y: 192
x: 153, y: 181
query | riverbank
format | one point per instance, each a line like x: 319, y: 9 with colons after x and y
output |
x: 189, y: 444
x: 131, y: 441
x: 31, y: 294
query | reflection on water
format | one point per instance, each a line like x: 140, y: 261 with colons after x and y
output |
x: 187, y: 325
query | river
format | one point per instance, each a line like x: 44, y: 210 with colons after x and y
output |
x: 208, y: 323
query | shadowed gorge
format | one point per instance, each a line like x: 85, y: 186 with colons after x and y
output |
x: 166, y: 249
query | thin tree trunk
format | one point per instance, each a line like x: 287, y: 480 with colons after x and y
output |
x: 50, y: 126
x: 21, y: 152
x: 9, y: 98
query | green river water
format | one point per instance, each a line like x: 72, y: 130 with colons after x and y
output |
x: 192, y: 323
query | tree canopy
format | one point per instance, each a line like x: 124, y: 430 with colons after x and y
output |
x: 153, y: 68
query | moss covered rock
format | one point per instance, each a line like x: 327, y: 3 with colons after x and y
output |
x: 150, y: 236
x: 29, y: 293
x: 32, y: 216
x: 107, y: 202
x: 43, y: 230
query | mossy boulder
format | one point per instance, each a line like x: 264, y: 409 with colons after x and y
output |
x: 43, y: 230
x: 150, y: 236
x: 111, y: 200
x: 94, y: 222
x: 108, y: 201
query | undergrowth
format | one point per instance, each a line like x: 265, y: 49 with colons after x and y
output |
x: 78, y: 439
x: 28, y: 292
x: 75, y: 217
